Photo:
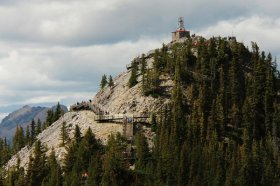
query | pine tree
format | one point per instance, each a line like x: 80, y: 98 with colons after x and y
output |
x: 269, y: 95
x: 18, y: 139
x: 143, y: 65
x: 142, y: 152
x: 88, y: 146
x: 103, y: 82
x: 32, y: 132
x: 50, y: 117
x: 54, y: 177
x: 37, y: 170
x: 153, y: 122
x: 58, y: 112
x: 133, y: 76
x: 39, y: 127
x: 70, y: 157
x: 183, y: 168
x: 77, y: 134
x: 95, y: 171
x: 111, y: 82
x: 27, y: 135
x: 114, y: 167
x: 143, y: 71
x: 64, y: 134
x: 178, y: 127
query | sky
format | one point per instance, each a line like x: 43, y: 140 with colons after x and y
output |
x: 57, y: 50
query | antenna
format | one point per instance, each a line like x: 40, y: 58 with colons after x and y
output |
x: 181, y: 24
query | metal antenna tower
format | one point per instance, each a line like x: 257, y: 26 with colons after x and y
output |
x: 181, y: 23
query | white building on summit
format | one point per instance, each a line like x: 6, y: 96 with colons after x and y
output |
x: 180, y: 32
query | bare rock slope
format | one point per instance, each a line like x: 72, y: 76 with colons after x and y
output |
x: 51, y: 136
x: 120, y: 99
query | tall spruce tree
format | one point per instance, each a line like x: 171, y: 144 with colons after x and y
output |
x: 111, y: 82
x: 64, y: 134
x: 133, y: 76
x: 27, y: 135
x: 18, y: 139
x: 32, y: 132
x: 77, y: 134
x: 103, y: 82
x: 54, y: 173
x: 38, y: 126
x: 37, y: 170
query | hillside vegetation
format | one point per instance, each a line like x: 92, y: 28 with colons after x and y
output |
x: 215, y: 109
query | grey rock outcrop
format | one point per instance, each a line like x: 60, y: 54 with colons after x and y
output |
x: 120, y: 99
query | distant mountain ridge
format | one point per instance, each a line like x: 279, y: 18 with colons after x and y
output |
x: 23, y: 117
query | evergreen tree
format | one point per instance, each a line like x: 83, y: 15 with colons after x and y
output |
x: 64, y: 134
x: 153, y: 122
x: 144, y: 74
x: 103, y: 82
x: 143, y: 65
x: 142, y: 152
x: 27, y: 135
x: 39, y: 127
x: 178, y: 128
x: 50, y: 117
x: 88, y: 146
x: 133, y: 76
x: 95, y: 171
x: 111, y: 82
x: 77, y: 134
x: 18, y: 139
x: 5, y: 151
x: 54, y: 177
x: 37, y: 170
x: 114, y: 168
x: 70, y: 157
x: 58, y: 112
x: 32, y: 132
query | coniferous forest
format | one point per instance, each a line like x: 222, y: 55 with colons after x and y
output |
x: 221, y: 127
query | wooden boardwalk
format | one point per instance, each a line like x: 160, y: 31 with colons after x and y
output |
x: 102, y: 116
x: 120, y: 118
x: 128, y: 122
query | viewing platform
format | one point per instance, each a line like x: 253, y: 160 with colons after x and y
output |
x: 120, y: 118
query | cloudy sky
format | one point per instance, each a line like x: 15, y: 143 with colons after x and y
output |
x: 57, y: 50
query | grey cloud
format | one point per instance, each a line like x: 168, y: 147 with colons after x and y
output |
x: 69, y: 74
x: 96, y: 22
